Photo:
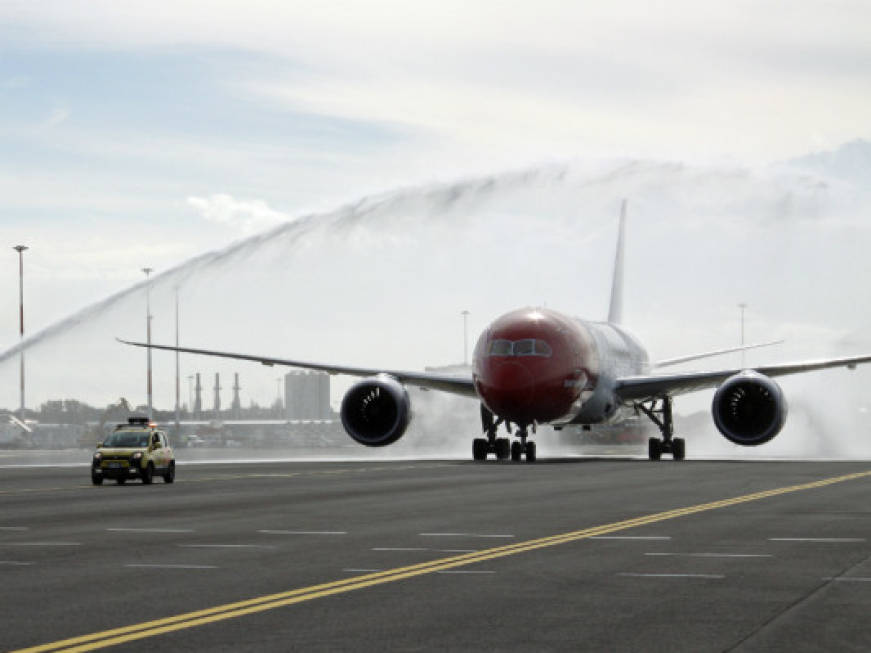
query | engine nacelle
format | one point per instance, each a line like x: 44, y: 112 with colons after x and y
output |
x: 376, y: 411
x: 749, y: 408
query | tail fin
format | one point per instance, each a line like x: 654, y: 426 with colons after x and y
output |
x: 615, y: 312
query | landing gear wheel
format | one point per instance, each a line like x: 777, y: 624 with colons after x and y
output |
x: 169, y: 477
x: 516, y: 451
x: 148, y: 474
x: 654, y: 449
x: 678, y: 448
x: 96, y: 479
x: 503, y: 448
x: 479, y: 449
x: 530, y: 452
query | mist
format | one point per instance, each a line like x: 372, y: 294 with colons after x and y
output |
x: 381, y: 282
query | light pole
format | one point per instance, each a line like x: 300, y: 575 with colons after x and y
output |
x: 147, y: 272
x: 20, y: 249
x: 742, y: 306
x: 465, y: 315
x: 177, y: 377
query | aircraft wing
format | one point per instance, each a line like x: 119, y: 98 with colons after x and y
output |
x: 709, y: 354
x: 455, y: 384
x: 640, y: 388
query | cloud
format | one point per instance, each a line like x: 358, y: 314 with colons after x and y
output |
x: 57, y: 116
x: 246, y: 216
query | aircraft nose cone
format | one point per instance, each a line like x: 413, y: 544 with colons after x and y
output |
x: 510, y: 389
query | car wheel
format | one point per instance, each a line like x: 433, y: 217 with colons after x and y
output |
x: 169, y: 477
x: 148, y: 474
x: 96, y: 479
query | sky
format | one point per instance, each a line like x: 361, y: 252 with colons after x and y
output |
x: 136, y: 135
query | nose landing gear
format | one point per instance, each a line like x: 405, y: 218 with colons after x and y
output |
x: 502, y: 448
x: 523, y: 447
x: 481, y: 447
x: 661, y: 416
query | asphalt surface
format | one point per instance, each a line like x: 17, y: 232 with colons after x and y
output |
x: 786, y: 571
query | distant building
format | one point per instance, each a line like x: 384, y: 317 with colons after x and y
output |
x: 307, y: 395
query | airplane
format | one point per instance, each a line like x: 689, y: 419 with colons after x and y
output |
x: 537, y: 366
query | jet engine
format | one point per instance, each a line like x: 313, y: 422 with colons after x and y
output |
x: 376, y: 411
x: 749, y: 408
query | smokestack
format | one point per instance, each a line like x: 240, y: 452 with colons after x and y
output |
x: 237, y: 404
x: 217, y: 395
x: 198, y: 401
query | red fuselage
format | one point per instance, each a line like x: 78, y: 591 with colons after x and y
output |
x: 534, y: 366
x: 531, y: 365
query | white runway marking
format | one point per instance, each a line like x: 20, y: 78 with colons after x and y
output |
x: 849, y: 579
x: 630, y: 537
x: 226, y: 546
x: 15, y: 563
x: 271, y: 532
x: 816, y: 539
x: 40, y: 544
x: 631, y: 575
x: 422, y: 548
x: 157, y: 566
x: 360, y: 571
x: 14, y: 528
x: 463, y: 535
x: 150, y: 530
x: 713, y: 555
x: 398, y: 548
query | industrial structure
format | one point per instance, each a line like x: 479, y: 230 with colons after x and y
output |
x: 307, y: 395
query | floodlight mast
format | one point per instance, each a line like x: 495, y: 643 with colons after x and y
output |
x: 465, y: 315
x: 177, y: 377
x: 743, y: 307
x: 21, y: 249
x: 148, y: 272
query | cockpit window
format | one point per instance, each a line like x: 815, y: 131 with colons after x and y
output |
x: 543, y: 349
x: 525, y: 347
x: 500, y: 347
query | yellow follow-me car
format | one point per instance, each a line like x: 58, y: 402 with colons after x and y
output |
x: 137, y: 449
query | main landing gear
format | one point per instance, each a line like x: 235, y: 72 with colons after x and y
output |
x: 503, y: 448
x: 659, y: 412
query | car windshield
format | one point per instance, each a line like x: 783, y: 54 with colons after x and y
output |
x: 127, y: 439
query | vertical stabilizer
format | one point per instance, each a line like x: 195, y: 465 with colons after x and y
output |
x: 615, y: 311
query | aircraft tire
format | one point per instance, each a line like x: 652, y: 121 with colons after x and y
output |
x: 479, y: 449
x: 678, y: 448
x: 503, y: 449
x: 654, y: 449
x: 530, y: 452
x: 516, y: 452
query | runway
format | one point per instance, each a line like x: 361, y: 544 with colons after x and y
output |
x: 580, y: 554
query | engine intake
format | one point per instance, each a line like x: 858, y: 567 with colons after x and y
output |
x: 749, y: 409
x: 376, y: 411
